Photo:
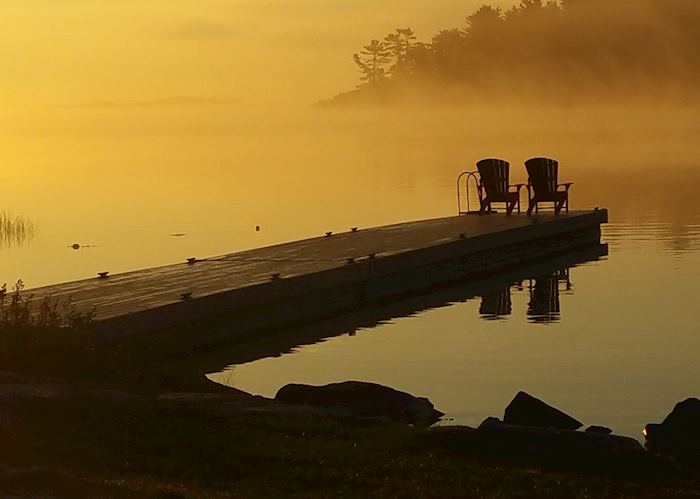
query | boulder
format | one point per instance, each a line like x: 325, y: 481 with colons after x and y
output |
x: 526, y: 410
x: 679, y: 433
x: 569, y: 449
x: 602, y: 430
x: 365, y: 400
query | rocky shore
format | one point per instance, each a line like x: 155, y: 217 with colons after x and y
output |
x: 349, y: 439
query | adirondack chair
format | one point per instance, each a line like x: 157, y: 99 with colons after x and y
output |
x: 494, y: 187
x: 543, y: 186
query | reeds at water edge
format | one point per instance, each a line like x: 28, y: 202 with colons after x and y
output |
x: 15, y: 230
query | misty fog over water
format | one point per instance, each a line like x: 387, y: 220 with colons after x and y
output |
x: 121, y: 182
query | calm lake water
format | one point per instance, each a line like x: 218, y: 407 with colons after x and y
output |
x: 620, y: 343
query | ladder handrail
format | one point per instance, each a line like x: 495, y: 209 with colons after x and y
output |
x: 469, y: 175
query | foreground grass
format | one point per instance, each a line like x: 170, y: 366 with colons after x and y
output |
x: 173, y: 450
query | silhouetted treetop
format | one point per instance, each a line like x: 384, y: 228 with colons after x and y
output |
x: 484, y: 21
x: 372, y: 61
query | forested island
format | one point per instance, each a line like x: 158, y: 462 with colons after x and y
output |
x: 565, y: 51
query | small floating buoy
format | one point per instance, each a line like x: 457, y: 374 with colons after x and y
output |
x: 350, y: 260
x: 191, y: 261
x: 102, y: 275
x: 354, y: 229
x: 186, y: 296
x: 329, y: 233
x: 276, y: 277
x: 75, y: 246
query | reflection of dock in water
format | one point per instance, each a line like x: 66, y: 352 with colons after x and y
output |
x: 305, y: 281
x: 285, y: 341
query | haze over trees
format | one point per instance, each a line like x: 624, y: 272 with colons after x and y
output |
x: 563, y: 51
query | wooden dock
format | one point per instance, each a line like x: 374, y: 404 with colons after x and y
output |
x: 311, y: 279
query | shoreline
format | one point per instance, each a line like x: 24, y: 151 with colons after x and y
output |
x: 231, y: 444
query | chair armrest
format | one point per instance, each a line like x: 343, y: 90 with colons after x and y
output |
x: 566, y: 185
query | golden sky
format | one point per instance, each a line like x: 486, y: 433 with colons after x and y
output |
x: 71, y: 52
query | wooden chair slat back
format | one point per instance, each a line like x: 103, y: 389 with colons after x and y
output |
x: 495, y: 174
x: 543, y: 175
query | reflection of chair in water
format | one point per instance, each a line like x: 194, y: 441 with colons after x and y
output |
x: 544, y: 299
x: 496, y: 304
x: 563, y: 275
x: 494, y: 185
x: 543, y: 186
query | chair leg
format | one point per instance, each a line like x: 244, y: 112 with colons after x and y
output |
x: 558, y: 207
x: 531, y: 206
x: 484, y: 206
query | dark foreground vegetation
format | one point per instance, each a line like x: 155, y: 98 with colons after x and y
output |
x: 79, y: 441
x: 37, y: 334
x: 566, y: 51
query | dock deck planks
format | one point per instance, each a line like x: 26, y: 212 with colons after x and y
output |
x: 143, y: 290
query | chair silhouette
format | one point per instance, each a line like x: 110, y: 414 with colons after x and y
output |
x: 494, y: 186
x: 496, y: 304
x: 543, y: 186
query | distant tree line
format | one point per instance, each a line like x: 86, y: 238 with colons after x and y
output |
x: 541, y: 47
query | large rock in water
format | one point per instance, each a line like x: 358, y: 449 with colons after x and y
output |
x: 368, y: 400
x: 526, y: 410
x: 680, y: 431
